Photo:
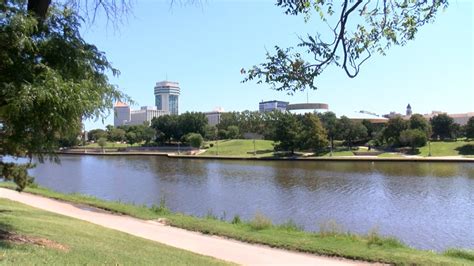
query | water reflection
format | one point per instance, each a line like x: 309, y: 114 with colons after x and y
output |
x: 427, y: 205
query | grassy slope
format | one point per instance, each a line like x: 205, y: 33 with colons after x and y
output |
x: 370, y: 248
x: 87, y: 243
x: 241, y: 147
x: 446, y: 148
x: 244, y: 148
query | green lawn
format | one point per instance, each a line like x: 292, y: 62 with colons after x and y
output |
x: 448, y: 148
x: 370, y: 248
x: 70, y: 241
x: 241, y: 147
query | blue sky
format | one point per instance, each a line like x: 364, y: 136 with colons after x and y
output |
x: 203, y: 47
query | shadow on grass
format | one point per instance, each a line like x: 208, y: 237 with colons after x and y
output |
x: 467, y: 149
x: 6, y: 230
x: 261, y: 151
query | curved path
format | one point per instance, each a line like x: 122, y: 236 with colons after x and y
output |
x: 218, y: 247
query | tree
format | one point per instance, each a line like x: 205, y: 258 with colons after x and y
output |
x: 329, y: 121
x: 195, y: 140
x: 469, y: 128
x: 210, y: 132
x: 233, y: 132
x: 313, y: 135
x: 413, y: 137
x: 358, y: 30
x: 287, y: 132
x: 351, y: 131
x: 442, y: 125
x: 102, y: 142
x: 392, y: 130
x: 191, y: 122
x: 166, y: 126
x: 116, y: 134
x: 131, y: 137
x: 417, y: 121
x: 50, y: 79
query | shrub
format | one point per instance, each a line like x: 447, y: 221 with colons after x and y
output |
x: 330, y: 228
x: 290, y: 225
x: 374, y: 238
x: 460, y: 253
x: 161, y: 209
x: 195, y: 140
x: 236, y: 220
x: 260, y: 222
x: 413, y: 137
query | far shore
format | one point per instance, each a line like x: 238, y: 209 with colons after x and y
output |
x: 286, y: 158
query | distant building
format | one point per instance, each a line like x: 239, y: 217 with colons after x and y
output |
x: 123, y: 115
x: 369, y: 116
x: 269, y: 106
x: 167, y: 96
x: 460, y: 119
x: 391, y: 115
x: 301, y: 108
x: 408, y: 112
x: 214, y: 117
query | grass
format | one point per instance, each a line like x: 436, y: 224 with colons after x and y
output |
x: 448, y: 148
x: 61, y: 240
x: 333, y: 242
x: 241, y: 147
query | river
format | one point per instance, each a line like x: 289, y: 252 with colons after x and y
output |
x: 425, y: 205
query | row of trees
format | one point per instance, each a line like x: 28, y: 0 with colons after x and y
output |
x: 311, y: 132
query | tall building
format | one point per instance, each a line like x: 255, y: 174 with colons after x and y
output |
x: 167, y: 96
x: 409, y: 112
x: 121, y: 114
x: 214, y: 117
x: 269, y: 106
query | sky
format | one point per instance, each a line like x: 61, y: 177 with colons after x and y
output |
x: 204, y: 46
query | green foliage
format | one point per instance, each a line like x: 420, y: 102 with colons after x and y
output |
x: 96, y: 134
x: 233, y: 132
x: 394, y: 127
x: 351, y: 131
x: 236, y: 220
x: 195, y: 140
x: 287, y: 130
x: 442, y: 125
x: 313, y: 135
x: 50, y: 79
x: 260, y: 222
x: 417, y: 121
x: 413, y: 137
x: 102, y: 142
x: 469, y: 128
x: 210, y: 132
x: 116, y: 134
x: 460, y: 253
x: 17, y: 173
x: 358, y: 29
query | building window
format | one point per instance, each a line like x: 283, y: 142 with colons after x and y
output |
x: 158, y: 102
x: 173, y: 104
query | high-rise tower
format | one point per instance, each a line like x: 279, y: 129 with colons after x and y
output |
x: 167, y: 96
x: 408, y: 110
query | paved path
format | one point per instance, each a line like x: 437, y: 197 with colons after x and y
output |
x: 218, y: 247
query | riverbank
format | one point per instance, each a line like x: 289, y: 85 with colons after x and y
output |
x: 30, y: 236
x: 281, y: 158
x: 287, y: 236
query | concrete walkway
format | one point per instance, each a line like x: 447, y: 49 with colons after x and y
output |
x: 217, y: 247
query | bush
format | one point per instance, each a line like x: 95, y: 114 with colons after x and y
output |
x: 260, y: 222
x: 413, y: 137
x: 195, y: 140
x: 236, y: 220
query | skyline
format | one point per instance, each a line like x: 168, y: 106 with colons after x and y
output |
x: 206, y: 56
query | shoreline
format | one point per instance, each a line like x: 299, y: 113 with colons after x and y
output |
x: 341, y: 245
x: 444, y: 159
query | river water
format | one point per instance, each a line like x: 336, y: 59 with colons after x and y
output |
x: 425, y: 205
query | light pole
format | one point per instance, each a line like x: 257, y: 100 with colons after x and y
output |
x: 429, y: 147
x: 254, y: 150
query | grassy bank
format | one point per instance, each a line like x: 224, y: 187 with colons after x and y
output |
x: 241, y: 147
x: 30, y: 236
x: 260, y: 230
x: 264, y: 148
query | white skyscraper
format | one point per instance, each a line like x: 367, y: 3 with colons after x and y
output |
x: 167, y: 96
